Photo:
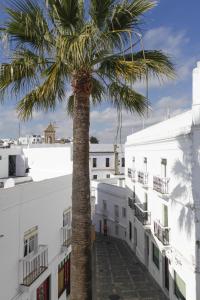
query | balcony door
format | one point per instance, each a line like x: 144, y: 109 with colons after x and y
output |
x: 165, y: 216
x: 43, y: 291
x: 146, y: 237
x: 166, y: 273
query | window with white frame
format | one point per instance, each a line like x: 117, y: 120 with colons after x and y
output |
x: 30, y: 240
x: 107, y: 162
x: 104, y: 205
x: 133, y: 163
x: 94, y: 162
x: 164, y: 167
x: 179, y: 287
x: 67, y: 218
x: 123, y: 212
x: 116, y: 210
x: 145, y: 164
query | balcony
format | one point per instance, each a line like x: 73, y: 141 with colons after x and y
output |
x: 116, y: 217
x: 132, y: 174
x: 162, y: 233
x: 66, y: 234
x: 33, y: 265
x: 142, y: 215
x: 160, y: 184
x: 131, y: 202
x: 143, y: 177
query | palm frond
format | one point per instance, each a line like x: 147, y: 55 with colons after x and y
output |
x: 46, y: 95
x: 22, y: 73
x: 68, y: 14
x: 127, y: 14
x: 27, y: 24
x: 100, y: 11
x: 125, y: 97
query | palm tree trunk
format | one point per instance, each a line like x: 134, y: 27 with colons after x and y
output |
x: 81, y: 277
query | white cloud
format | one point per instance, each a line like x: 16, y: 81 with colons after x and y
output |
x: 166, y: 39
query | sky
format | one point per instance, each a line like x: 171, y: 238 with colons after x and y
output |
x: 173, y: 26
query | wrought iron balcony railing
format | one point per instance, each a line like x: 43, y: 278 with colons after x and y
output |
x: 131, y: 202
x: 161, y: 232
x: 142, y: 215
x: 143, y: 177
x: 33, y: 265
x: 161, y: 184
x: 132, y: 174
x: 66, y: 234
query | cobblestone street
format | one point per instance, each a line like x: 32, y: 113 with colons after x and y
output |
x: 119, y: 274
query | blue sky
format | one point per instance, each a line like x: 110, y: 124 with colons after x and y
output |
x: 172, y: 26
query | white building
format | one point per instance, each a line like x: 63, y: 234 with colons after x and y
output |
x: 30, y: 139
x: 106, y: 160
x: 35, y: 227
x: 163, y: 205
x: 110, y: 206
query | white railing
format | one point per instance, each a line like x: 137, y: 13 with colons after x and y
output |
x: 143, y: 177
x: 144, y: 216
x: 161, y: 184
x: 161, y: 232
x: 66, y: 234
x: 32, y: 265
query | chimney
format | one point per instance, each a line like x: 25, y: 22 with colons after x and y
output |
x: 196, y: 95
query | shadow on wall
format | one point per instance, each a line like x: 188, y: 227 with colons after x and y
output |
x: 183, y: 193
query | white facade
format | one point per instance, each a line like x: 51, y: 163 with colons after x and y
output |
x: 163, y: 206
x: 105, y: 161
x: 110, y: 206
x: 33, y: 213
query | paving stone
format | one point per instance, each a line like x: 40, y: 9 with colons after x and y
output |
x: 119, y: 275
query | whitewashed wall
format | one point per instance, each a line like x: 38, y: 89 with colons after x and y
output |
x: 21, y: 208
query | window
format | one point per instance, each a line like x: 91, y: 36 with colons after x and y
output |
x: 43, y: 290
x: 67, y: 218
x: 116, y: 230
x: 135, y: 236
x: 30, y: 240
x: 94, y: 176
x: 116, y: 208
x: 165, y: 215
x: 145, y: 205
x: 179, y: 287
x: 155, y: 257
x: 0, y: 157
x: 163, y: 167
x: 123, y: 162
x: 145, y: 164
x: 107, y: 175
x: 123, y: 212
x: 130, y: 231
x: 107, y: 162
x: 133, y: 163
x: 64, y: 276
x: 94, y: 162
x: 104, y: 205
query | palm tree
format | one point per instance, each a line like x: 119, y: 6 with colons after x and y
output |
x: 95, y: 48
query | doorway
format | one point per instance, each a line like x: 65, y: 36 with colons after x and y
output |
x: 166, y: 272
x: 43, y: 291
x: 12, y: 165
x: 146, y: 237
